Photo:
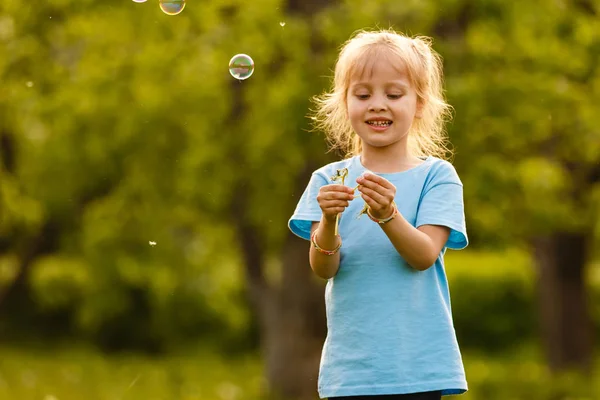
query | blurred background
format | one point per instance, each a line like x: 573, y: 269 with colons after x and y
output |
x: 145, y: 193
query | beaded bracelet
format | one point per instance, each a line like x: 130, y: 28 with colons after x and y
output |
x: 320, y: 250
x: 384, y: 220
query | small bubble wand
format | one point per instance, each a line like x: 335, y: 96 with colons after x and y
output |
x: 340, y: 175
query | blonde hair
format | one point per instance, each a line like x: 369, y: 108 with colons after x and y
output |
x: 427, y: 135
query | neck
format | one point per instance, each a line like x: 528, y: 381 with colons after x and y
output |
x: 388, y: 159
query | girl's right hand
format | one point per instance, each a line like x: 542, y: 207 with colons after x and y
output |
x: 333, y: 200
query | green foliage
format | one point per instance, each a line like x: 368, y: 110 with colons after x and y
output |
x: 522, y: 375
x: 124, y: 134
x: 524, y: 80
x: 126, y: 129
x: 141, y: 310
x: 493, y: 299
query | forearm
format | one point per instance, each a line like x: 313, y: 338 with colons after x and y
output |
x: 416, y: 247
x: 325, y: 266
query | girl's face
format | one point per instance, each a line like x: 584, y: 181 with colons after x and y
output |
x: 382, y: 105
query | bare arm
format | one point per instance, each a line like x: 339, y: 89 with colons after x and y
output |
x: 323, y: 265
x: 333, y: 200
x: 421, y: 246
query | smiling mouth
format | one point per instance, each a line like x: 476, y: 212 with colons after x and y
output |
x: 379, y: 123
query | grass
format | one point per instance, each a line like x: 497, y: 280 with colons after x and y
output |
x: 76, y: 374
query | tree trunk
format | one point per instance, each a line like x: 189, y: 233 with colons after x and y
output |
x: 16, y: 304
x: 565, y: 323
x: 297, y: 328
x: 292, y: 326
x: 291, y: 315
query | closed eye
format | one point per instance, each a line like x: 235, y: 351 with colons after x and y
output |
x: 363, y: 96
x: 394, y: 96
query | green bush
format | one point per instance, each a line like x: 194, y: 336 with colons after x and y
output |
x: 522, y: 375
x: 493, y: 298
x: 147, y: 310
x: 493, y: 315
x: 492, y: 293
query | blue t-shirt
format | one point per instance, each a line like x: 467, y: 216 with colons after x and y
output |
x: 390, y: 328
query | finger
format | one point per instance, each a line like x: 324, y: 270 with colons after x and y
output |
x: 380, y: 199
x: 335, y: 195
x: 334, y: 210
x: 335, y: 203
x: 379, y: 180
x: 370, y: 202
x: 337, y: 188
x: 364, y: 183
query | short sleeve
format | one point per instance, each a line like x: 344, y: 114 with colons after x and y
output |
x: 442, y: 204
x: 308, y: 210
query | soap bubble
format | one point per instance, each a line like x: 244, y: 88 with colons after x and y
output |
x: 172, y: 7
x: 241, y: 66
x: 139, y: 1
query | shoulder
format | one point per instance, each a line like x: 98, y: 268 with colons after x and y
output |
x: 442, y: 171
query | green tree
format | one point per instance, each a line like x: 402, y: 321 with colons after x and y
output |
x: 524, y: 80
x: 121, y: 126
x: 127, y: 128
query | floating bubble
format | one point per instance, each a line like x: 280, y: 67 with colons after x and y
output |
x: 29, y: 84
x: 172, y: 7
x: 282, y: 23
x: 139, y: 1
x: 241, y: 66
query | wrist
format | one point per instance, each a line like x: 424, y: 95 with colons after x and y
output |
x: 382, y: 214
x: 387, y: 215
x: 334, y: 244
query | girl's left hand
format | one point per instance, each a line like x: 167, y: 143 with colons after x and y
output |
x: 378, y: 193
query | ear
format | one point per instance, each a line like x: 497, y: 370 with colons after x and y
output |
x: 420, y: 107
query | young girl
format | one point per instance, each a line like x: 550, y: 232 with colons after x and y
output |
x: 379, y: 237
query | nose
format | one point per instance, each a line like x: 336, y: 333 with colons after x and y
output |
x: 377, y: 104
